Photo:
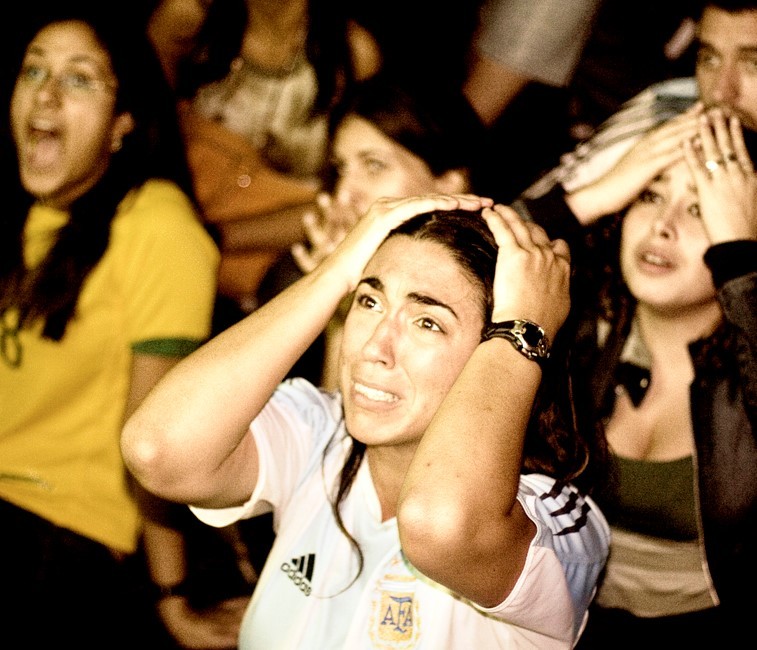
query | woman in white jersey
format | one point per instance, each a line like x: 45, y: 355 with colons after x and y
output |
x: 428, y: 502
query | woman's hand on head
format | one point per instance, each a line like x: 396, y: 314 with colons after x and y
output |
x: 724, y: 176
x: 532, y: 277
x: 654, y: 152
x: 364, y: 238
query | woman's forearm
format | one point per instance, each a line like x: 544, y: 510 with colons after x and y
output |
x: 459, y: 518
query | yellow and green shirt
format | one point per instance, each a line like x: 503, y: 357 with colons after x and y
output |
x: 62, y: 406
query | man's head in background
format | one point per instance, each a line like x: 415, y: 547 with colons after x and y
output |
x: 726, y: 67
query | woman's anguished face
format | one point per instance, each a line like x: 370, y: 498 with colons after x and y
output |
x: 370, y: 165
x: 63, y: 113
x: 663, y: 244
x: 415, y: 320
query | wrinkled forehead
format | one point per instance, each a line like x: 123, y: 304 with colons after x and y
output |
x: 425, y: 271
x: 421, y: 258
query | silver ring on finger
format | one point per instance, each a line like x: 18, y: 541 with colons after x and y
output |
x: 712, y: 165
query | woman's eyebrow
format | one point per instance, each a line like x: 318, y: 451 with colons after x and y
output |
x: 415, y: 296
x: 373, y: 282
x: 424, y: 299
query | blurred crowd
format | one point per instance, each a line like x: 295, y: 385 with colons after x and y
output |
x: 175, y: 165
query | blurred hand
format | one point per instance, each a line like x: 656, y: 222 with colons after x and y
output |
x: 324, y: 231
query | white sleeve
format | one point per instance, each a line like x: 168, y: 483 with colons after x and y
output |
x: 595, y: 156
x: 564, y: 562
x: 290, y: 434
x: 543, y: 40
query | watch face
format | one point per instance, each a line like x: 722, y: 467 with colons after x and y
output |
x: 531, y: 335
x: 527, y: 337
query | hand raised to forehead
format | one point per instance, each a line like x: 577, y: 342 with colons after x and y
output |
x: 724, y: 176
x: 646, y: 159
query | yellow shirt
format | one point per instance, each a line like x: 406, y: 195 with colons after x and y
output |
x: 61, y: 409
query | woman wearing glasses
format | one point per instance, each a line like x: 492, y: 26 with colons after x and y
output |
x: 107, y: 277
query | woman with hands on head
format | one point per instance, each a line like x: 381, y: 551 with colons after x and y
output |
x: 429, y: 500
x: 669, y: 350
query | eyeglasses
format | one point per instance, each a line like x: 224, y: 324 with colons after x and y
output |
x: 73, y: 83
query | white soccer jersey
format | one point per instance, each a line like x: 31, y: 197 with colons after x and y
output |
x: 308, y: 596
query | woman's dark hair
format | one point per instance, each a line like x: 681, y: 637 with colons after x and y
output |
x: 556, y: 443
x: 439, y: 126
x: 219, y: 42
x: 154, y: 149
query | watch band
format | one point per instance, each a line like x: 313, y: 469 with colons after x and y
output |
x: 526, y: 337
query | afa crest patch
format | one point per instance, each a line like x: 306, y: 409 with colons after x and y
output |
x: 395, y: 620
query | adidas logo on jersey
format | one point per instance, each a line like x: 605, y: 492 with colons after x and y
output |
x: 300, y: 571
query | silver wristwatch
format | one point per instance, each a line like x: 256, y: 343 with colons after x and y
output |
x: 527, y: 337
